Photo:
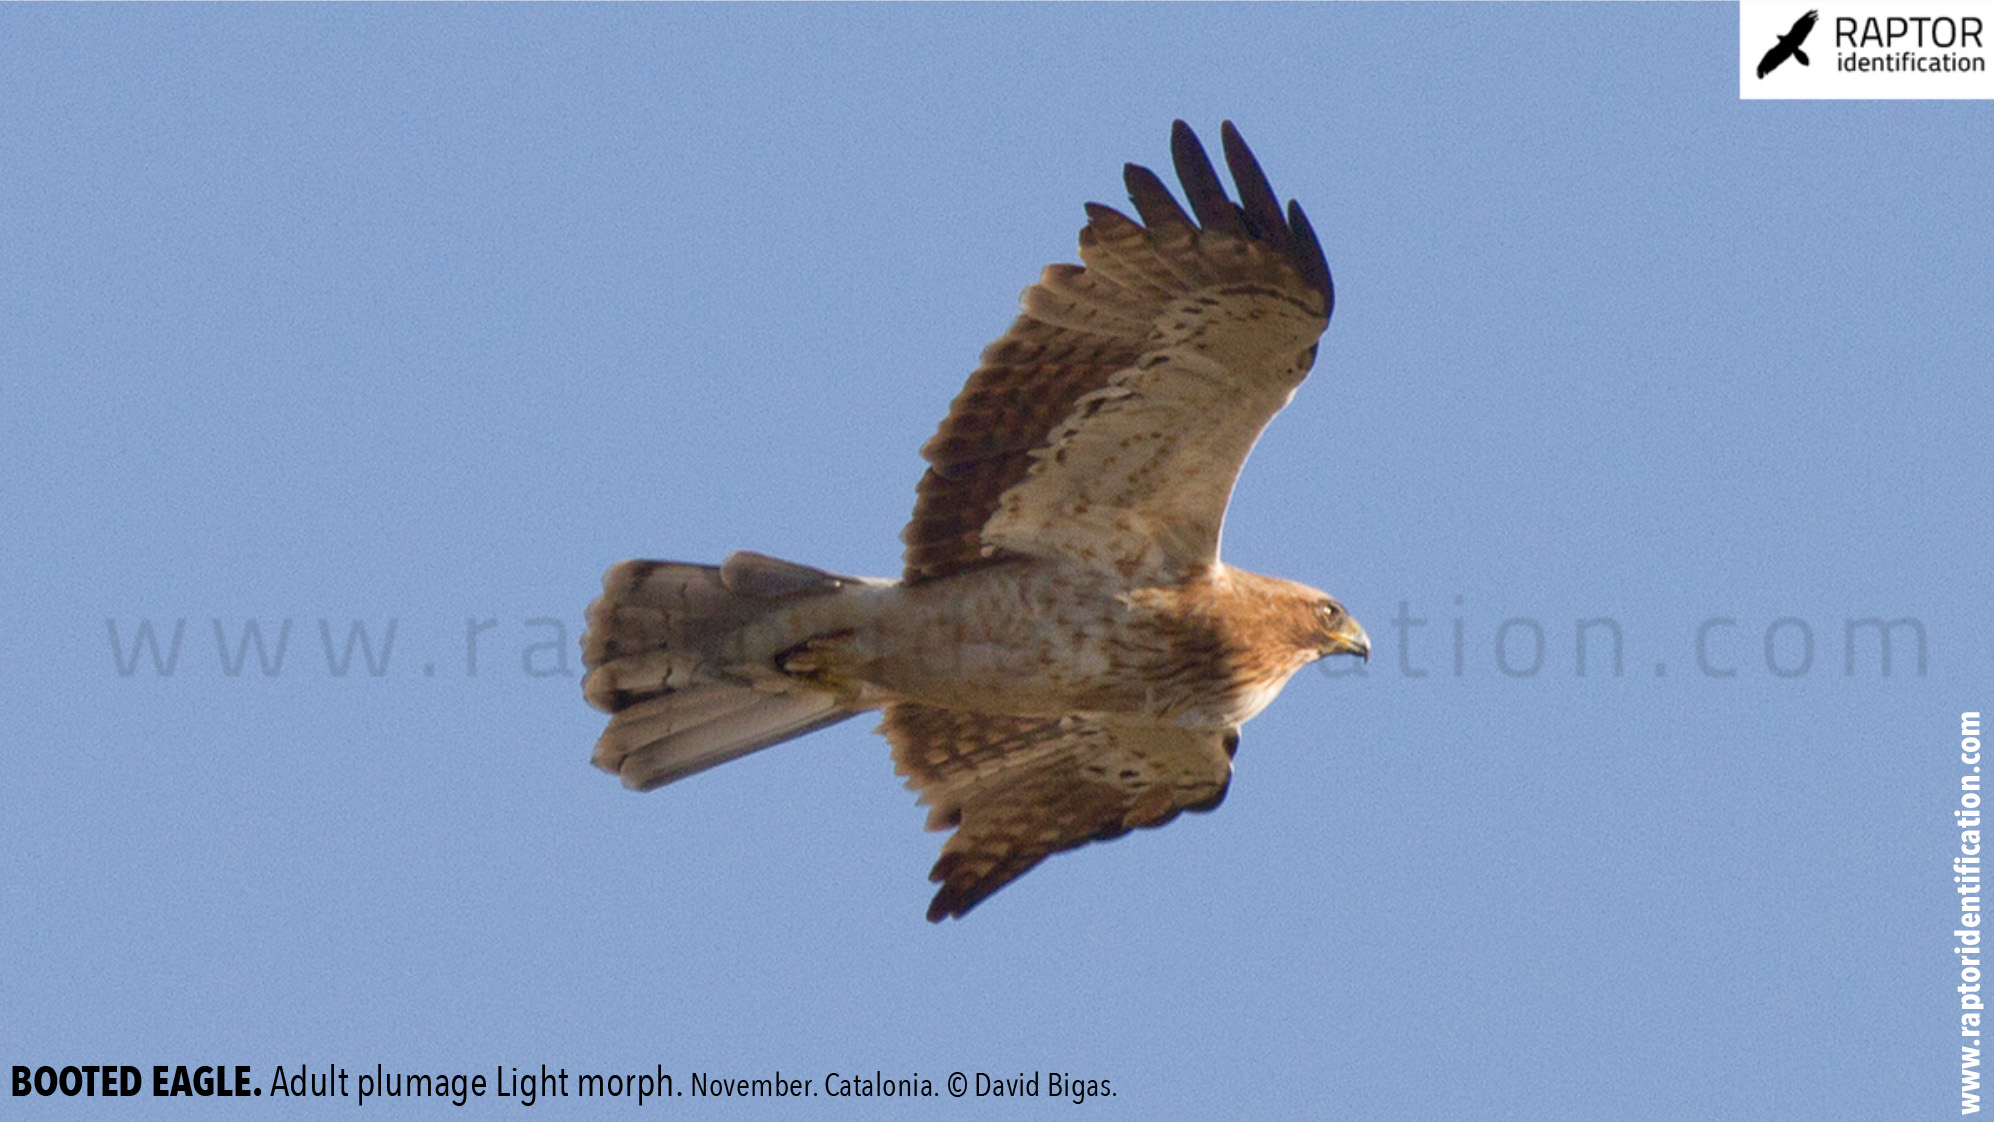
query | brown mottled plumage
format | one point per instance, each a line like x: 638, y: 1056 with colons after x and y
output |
x: 1064, y: 658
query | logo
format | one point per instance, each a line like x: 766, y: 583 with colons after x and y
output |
x: 1865, y: 49
x: 1789, y: 44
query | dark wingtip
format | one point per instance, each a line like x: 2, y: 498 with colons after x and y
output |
x: 953, y: 902
x: 1153, y: 201
x: 1257, y: 203
x: 1202, y: 189
x: 1257, y: 216
x: 948, y: 898
x: 1306, y: 252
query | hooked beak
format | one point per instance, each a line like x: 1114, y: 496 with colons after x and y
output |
x: 1349, y: 638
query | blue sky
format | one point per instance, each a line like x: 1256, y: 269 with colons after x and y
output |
x: 429, y: 314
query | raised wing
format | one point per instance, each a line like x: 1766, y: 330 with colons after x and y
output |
x: 1109, y: 423
x: 1018, y: 789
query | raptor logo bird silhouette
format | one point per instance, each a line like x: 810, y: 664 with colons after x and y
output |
x: 1789, y: 44
x: 1064, y: 658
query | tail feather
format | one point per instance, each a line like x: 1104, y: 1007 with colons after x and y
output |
x: 653, y: 649
x: 666, y: 738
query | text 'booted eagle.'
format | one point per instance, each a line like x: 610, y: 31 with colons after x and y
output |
x: 1064, y: 657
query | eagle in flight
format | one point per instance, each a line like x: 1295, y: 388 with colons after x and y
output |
x: 1788, y: 45
x: 1064, y: 657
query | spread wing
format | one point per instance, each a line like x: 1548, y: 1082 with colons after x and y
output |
x: 1779, y: 53
x: 1110, y: 421
x: 1019, y: 789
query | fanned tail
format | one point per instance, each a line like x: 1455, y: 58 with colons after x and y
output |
x: 655, y: 649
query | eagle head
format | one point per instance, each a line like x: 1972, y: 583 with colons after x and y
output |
x: 1337, y: 633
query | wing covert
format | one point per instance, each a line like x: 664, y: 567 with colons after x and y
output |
x: 1109, y: 423
x: 1019, y: 789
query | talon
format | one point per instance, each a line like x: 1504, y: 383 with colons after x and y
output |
x: 813, y: 658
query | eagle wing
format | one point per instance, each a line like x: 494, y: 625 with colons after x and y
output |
x: 1019, y: 789
x: 1772, y: 58
x: 1109, y: 423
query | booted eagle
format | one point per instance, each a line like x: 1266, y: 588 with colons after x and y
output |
x: 1064, y: 657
